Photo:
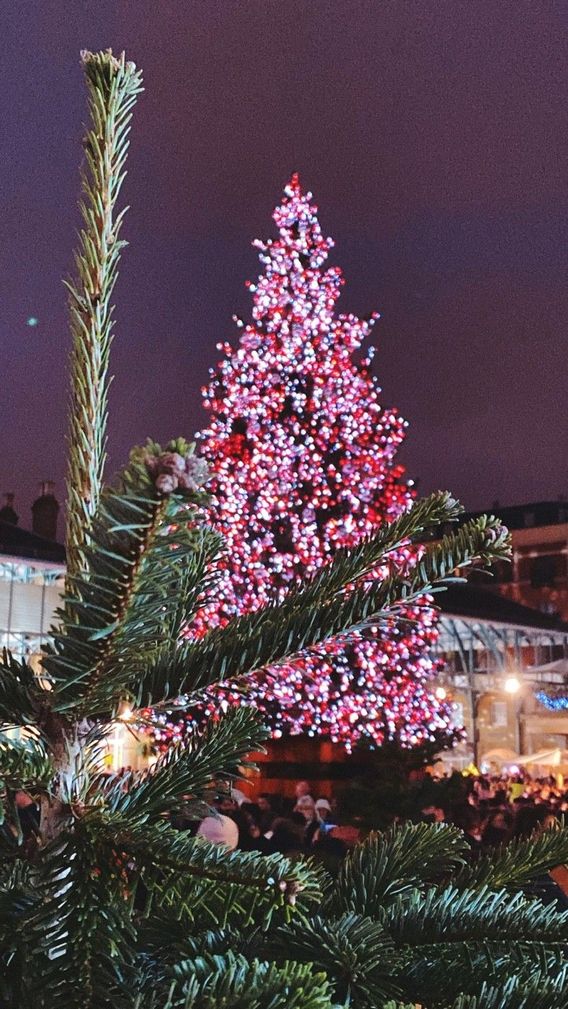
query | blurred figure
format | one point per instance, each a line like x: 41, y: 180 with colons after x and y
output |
x: 497, y: 830
x: 469, y: 819
x: 267, y: 814
x: 307, y: 807
x: 302, y: 790
x: 288, y: 835
x: 528, y: 818
x: 432, y: 814
x: 323, y: 812
x: 219, y: 829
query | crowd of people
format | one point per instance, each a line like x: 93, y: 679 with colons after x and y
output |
x: 273, y: 824
x: 490, y: 810
x: 497, y: 809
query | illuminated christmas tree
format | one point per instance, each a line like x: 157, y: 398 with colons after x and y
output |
x: 304, y: 457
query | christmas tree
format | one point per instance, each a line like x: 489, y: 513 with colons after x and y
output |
x: 304, y: 458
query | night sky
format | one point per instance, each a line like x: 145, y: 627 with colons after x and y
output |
x: 433, y: 136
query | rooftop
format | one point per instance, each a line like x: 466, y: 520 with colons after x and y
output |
x: 16, y: 542
x: 527, y: 516
x: 472, y: 602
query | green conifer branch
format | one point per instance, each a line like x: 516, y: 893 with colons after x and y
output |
x: 113, y: 86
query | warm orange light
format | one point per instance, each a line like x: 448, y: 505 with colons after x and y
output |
x: 124, y: 711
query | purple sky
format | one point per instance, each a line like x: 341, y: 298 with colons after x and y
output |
x: 433, y: 135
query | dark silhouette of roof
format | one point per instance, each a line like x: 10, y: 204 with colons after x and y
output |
x: 469, y: 600
x: 526, y: 516
x: 16, y: 542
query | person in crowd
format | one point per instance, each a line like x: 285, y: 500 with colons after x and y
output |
x: 267, y: 814
x: 324, y: 814
x: 497, y: 829
x: 226, y: 803
x: 288, y: 835
x: 432, y: 814
x: 238, y: 797
x: 302, y: 790
x: 219, y: 829
x: 469, y: 819
x: 528, y: 818
x: 251, y: 835
x: 307, y: 807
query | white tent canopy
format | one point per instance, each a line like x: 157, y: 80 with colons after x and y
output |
x: 544, y: 758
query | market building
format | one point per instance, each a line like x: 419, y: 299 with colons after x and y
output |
x: 32, y: 568
x: 498, y: 654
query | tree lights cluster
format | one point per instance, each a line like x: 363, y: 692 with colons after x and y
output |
x: 304, y: 461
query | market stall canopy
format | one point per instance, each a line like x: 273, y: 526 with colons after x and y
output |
x: 498, y: 756
x: 553, y: 757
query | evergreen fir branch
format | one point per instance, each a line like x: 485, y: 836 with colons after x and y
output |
x: 74, y: 931
x: 398, y: 1005
x: 170, y: 940
x: 277, y: 633
x: 24, y: 764
x: 189, y: 768
x: 463, y: 967
x: 206, y: 902
x: 387, y: 865
x: 148, y: 565
x: 480, y: 541
x: 81, y: 937
x: 232, y: 982
x: 540, y: 992
x: 18, y: 898
x: 457, y: 915
x: 20, y: 694
x: 519, y: 862
x: 113, y: 86
x: 357, y: 953
x: 158, y: 850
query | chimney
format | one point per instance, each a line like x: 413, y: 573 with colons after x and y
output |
x: 7, y: 513
x: 44, y: 512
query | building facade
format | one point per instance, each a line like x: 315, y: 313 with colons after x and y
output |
x: 501, y: 642
x: 32, y: 570
x: 538, y: 573
x: 497, y: 657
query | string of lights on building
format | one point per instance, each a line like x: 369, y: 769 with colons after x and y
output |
x: 554, y: 702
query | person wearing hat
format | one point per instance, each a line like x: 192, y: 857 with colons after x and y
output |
x: 323, y: 809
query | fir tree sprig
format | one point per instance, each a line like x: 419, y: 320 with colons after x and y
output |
x: 113, y: 86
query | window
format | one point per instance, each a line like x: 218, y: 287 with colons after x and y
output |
x: 502, y: 572
x: 498, y: 714
x: 543, y: 570
x: 457, y: 715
